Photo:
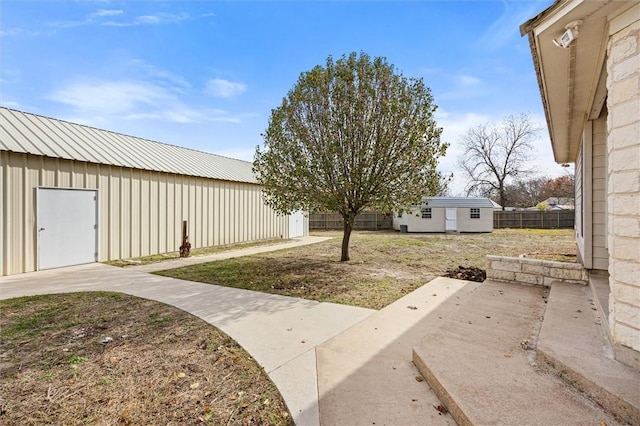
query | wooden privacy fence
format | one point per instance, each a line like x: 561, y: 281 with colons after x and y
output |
x: 560, y: 219
x: 374, y: 221
x: 368, y: 221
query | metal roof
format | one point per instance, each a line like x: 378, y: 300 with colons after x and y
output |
x: 34, y: 134
x: 476, y: 202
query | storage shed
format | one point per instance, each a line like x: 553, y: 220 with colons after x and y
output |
x: 74, y: 194
x: 447, y: 214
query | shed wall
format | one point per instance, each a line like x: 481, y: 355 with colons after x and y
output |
x: 466, y: 224
x: 140, y: 212
x: 415, y: 223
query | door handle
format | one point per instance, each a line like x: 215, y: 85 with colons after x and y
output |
x: 41, y: 229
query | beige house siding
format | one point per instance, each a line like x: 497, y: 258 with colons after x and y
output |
x: 599, y: 250
x: 140, y: 211
x: 579, y: 205
x: 623, y: 148
x: 590, y: 189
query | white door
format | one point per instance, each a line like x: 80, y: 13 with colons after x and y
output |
x: 450, y: 219
x: 296, y: 224
x: 67, y: 225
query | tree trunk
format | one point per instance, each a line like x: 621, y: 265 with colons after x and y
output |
x: 348, y: 227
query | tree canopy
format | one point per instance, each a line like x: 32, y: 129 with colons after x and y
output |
x: 351, y: 135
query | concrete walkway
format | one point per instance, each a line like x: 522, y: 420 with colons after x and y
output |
x: 186, y: 261
x: 281, y: 333
x: 366, y: 375
x: 480, y: 357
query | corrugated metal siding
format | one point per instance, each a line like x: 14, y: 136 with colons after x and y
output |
x: 34, y: 134
x: 458, y: 202
x: 140, y: 211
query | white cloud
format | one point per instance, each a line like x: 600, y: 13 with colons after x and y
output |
x: 17, y: 32
x: 156, y: 74
x: 10, y: 104
x: 221, y: 88
x: 240, y: 153
x: 506, y: 27
x: 428, y: 70
x: 460, y: 85
x: 456, y: 125
x: 453, y: 127
x: 106, y: 12
x: 101, y: 100
x: 109, y: 96
x: 467, y: 80
x: 8, y: 32
x: 161, y: 18
x: 156, y: 19
x: 97, y: 18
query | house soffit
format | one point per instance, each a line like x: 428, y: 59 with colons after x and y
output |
x: 569, y: 77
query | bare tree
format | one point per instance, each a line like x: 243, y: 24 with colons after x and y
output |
x: 497, y: 154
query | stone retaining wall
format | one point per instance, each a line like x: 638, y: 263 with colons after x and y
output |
x: 534, y: 271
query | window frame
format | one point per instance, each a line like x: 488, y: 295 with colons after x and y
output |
x: 474, y: 213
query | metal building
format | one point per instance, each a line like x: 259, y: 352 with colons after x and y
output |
x: 448, y: 214
x: 74, y: 194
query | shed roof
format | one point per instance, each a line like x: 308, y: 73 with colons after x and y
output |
x: 476, y: 202
x: 34, y: 134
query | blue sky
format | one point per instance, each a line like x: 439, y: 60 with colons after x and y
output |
x: 206, y: 74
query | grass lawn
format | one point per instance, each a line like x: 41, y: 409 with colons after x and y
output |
x: 384, y: 265
x: 162, y: 366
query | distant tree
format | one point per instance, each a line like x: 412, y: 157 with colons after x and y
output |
x: 542, y: 206
x: 525, y: 192
x: 560, y: 187
x: 351, y: 135
x: 497, y: 154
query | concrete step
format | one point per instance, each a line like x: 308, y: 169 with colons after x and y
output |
x: 366, y: 375
x: 573, y: 342
x: 480, y: 361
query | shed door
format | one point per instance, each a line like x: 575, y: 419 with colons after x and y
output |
x: 67, y: 225
x: 450, y: 219
x: 296, y: 224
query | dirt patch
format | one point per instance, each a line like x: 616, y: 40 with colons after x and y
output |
x: 108, y: 358
x: 384, y: 265
x: 468, y: 274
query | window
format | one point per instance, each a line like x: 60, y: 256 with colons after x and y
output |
x: 475, y: 213
x: 426, y: 212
